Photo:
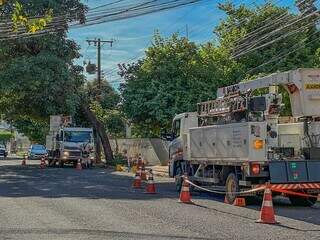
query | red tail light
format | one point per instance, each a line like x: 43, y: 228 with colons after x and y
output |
x: 255, y: 168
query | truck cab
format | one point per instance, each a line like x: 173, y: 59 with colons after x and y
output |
x: 178, y: 147
x: 68, y: 144
x: 72, y: 141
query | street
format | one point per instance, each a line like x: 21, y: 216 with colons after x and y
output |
x: 57, y: 203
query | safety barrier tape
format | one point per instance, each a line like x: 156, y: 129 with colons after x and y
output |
x: 293, y: 186
x: 220, y: 192
x: 258, y: 189
x: 294, y: 193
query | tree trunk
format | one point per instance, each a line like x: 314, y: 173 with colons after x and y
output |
x: 97, y: 145
x: 101, y: 132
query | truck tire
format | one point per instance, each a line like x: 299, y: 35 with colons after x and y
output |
x: 178, y: 179
x: 302, y: 202
x: 232, y: 187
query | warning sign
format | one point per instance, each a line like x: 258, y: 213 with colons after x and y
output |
x: 312, y: 86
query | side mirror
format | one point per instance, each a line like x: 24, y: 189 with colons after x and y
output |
x: 167, y: 137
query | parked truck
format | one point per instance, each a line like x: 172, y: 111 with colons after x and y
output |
x: 68, y: 144
x: 238, y: 141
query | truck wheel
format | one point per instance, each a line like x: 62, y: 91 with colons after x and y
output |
x: 302, y: 202
x: 178, y: 179
x: 232, y: 187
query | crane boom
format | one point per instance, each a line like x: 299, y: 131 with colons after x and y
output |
x: 303, y: 86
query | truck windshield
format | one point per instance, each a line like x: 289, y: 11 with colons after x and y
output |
x: 77, y: 136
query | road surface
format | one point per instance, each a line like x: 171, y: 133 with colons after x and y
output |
x: 100, y: 204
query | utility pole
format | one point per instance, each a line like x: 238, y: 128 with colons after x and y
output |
x: 98, y: 43
x: 99, y: 134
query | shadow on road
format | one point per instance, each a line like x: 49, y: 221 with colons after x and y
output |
x: 98, y: 183
x: 31, y: 181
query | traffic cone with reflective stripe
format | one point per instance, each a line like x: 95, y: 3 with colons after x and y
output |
x: 239, y: 202
x: 79, y: 166
x: 42, y: 163
x: 185, y: 196
x: 137, y: 180
x: 151, y: 188
x: 267, y: 211
x: 24, y: 160
x: 143, y: 173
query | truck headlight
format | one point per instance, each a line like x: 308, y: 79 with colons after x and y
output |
x: 66, y: 154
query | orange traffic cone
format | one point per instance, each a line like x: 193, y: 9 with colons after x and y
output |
x: 24, y: 160
x: 79, y: 166
x: 239, y: 202
x: 42, y: 163
x: 137, y: 180
x: 143, y: 173
x: 151, y: 188
x: 267, y: 211
x: 185, y: 196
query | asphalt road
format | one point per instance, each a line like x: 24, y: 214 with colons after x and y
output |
x: 99, y: 204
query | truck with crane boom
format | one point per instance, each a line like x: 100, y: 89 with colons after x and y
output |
x: 238, y: 142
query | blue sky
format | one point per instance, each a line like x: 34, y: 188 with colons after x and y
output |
x: 132, y: 36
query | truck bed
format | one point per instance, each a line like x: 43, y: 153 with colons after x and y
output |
x: 229, y: 143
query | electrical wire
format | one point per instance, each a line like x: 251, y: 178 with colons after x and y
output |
x: 253, y: 48
x: 138, y: 10
x: 247, y: 40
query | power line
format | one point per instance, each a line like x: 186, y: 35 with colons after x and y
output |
x: 249, y: 37
x: 280, y: 56
x: 126, y: 13
x: 253, y: 48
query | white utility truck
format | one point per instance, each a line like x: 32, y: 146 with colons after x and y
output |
x: 67, y: 144
x: 238, y: 142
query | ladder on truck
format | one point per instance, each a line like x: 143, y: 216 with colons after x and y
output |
x: 223, y: 106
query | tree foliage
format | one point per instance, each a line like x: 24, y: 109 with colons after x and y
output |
x: 5, y: 136
x: 176, y: 73
x: 38, y: 75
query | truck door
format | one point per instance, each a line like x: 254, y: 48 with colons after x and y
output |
x: 175, y: 146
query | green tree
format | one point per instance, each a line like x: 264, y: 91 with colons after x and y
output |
x: 264, y: 41
x: 38, y: 75
x: 36, y: 130
x: 175, y: 75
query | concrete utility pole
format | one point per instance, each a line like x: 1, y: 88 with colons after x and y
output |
x: 98, y: 131
x: 97, y: 43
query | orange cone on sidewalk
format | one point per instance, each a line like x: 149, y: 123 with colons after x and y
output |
x: 151, y: 188
x: 185, y: 196
x: 79, y: 166
x: 267, y: 211
x: 42, y: 163
x: 137, y: 180
x: 239, y: 202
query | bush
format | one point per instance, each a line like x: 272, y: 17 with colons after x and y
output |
x: 118, y: 159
